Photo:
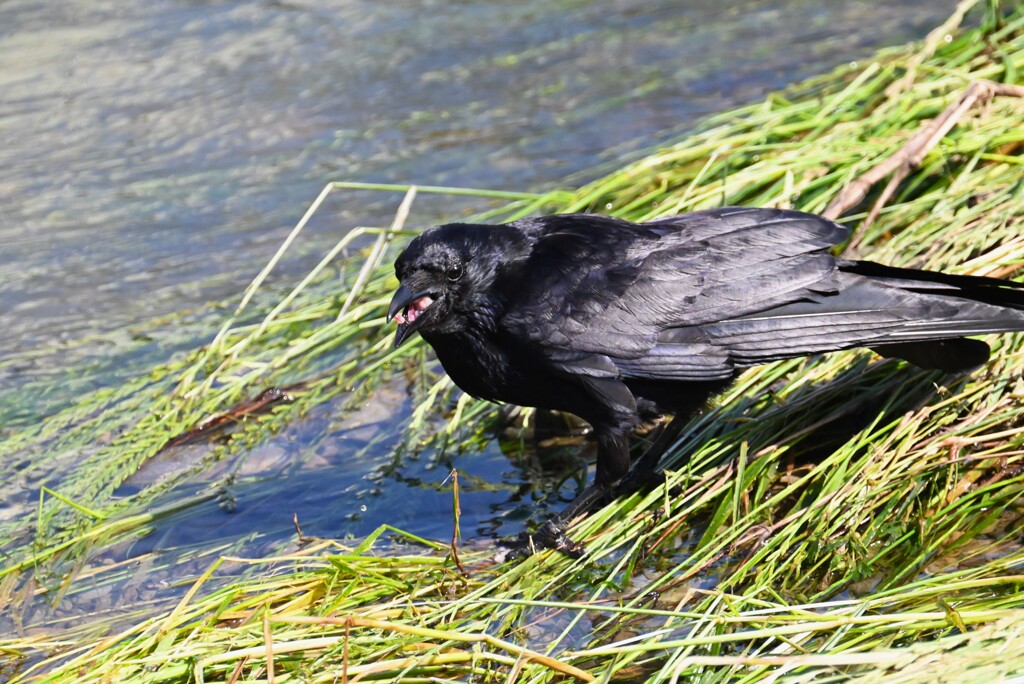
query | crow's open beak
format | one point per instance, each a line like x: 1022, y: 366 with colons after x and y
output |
x: 408, y: 320
x: 403, y: 295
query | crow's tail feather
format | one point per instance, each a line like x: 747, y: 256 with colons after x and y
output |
x: 953, y: 354
x: 994, y: 291
x: 921, y: 316
x: 949, y: 356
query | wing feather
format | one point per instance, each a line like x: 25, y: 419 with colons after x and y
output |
x: 607, y: 287
x: 701, y: 295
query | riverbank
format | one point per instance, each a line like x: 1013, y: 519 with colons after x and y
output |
x: 840, y: 517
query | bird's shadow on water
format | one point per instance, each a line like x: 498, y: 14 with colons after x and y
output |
x: 552, y: 454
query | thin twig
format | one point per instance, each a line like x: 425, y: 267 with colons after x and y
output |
x: 344, y: 656
x: 237, y: 671
x: 914, y: 151
x: 455, y: 531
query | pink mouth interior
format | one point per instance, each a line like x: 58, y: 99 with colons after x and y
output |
x: 413, y: 310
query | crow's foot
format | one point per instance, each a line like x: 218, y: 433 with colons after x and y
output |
x: 551, y: 535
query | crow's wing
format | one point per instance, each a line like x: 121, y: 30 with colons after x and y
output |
x: 698, y: 296
x: 877, y: 306
x: 644, y: 295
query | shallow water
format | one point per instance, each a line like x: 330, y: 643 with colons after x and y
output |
x: 156, y: 153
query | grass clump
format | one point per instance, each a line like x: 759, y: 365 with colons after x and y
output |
x: 832, y: 519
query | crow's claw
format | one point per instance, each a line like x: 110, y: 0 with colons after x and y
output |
x: 550, y: 536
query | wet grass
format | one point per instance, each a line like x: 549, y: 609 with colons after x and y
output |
x: 829, y: 519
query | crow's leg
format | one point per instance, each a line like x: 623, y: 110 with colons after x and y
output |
x: 551, y: 534
x: 643, y: 470
x: 612, y: 466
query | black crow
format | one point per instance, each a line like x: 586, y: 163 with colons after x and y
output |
x: 614, y: 321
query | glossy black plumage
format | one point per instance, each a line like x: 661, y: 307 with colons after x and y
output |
x: 610, y: 320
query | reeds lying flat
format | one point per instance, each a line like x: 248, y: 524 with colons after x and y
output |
x: 832, y: 519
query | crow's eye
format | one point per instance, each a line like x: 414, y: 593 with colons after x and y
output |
x: 454, y: 272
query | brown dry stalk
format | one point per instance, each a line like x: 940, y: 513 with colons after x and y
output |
x: 237, y: 672
x: 455, y: 530
x: 913, y: 152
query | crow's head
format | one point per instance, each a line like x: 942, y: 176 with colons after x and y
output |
x: 445, y: 276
